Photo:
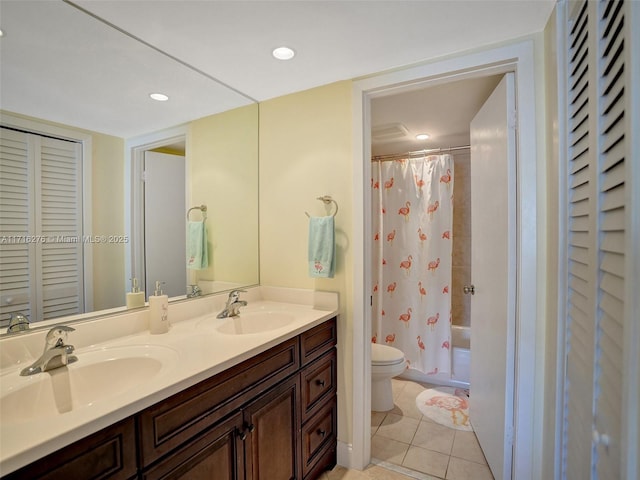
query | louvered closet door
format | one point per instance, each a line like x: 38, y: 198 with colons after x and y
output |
x: 580, y: 336
x: 611, y: 241
x: 41, y: 261
x: 596, y: 224
x: 17, y: 212
x: 60, y: 219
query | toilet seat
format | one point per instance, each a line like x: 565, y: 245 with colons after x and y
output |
x: 383, y: 355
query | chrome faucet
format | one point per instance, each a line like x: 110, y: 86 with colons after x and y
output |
x: 18, y: 323
x: 56, y: 353
x: 193, y: 291
x: 232, y: 308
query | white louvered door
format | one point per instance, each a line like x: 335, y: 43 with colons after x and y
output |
x: 17, y: 213
x: 60, y: 218
x: 598, y: 156
x: 41, y: 263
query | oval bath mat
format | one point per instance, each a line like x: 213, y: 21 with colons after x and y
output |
x: 447, y: 406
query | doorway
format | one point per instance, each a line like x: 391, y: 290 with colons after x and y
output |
x: 471, y: 114
x: 157, y: 221
x: 164, y: 220
x: 517, y: 58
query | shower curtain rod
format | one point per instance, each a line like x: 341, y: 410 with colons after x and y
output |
x: 416, y: 153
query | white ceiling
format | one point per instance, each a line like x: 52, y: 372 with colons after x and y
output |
x: 444, y: 112
x: 53, y: 55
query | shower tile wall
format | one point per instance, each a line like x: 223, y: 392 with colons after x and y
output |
x: 461, y: 266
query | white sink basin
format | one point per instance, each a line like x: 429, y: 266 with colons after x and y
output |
x: 97, y: 376
x: 255, y: 322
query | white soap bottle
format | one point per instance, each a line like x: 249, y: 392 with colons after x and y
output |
x: 135, y: 298
x: 158, y: 311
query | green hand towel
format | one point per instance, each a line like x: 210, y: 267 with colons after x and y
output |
x: 197, y: 255
x: 321, y: 247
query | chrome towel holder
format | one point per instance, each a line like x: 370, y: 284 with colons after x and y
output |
x: 202, y: 208
x: 326, y: 199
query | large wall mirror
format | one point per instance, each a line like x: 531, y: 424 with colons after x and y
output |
x: 96, y: 178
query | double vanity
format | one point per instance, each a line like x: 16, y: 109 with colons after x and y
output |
x: 248, y: 396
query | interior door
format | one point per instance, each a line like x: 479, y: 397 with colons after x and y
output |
x: 493, y: 255
x: 165, y: 223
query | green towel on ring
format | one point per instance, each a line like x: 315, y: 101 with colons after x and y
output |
x: 322, y: 247
x: 197, y: 255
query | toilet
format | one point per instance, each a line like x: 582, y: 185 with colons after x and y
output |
x: 386, y: 363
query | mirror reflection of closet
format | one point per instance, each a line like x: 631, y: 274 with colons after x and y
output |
x: 41, y: 221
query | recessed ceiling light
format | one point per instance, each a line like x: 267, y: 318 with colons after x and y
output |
x: 422, y: 136
x: 1, y: 33
x: 283, y: 53
x: 160, y: 97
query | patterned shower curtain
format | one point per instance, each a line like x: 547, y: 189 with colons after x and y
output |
x: 412, y: 223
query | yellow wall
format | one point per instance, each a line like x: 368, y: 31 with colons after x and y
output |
x: 223, y: 174
x: 108, y: 219
x: 306, y: 152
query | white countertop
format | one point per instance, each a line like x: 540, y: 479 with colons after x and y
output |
x: 197, y: 351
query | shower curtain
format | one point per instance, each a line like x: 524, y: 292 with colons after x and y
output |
x: 412, y: 221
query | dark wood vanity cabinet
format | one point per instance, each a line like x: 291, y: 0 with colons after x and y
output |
x: 270, y: 417
x: 109, y: 453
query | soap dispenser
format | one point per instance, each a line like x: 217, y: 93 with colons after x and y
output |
x: 135, y: 298
x: 158, y: 311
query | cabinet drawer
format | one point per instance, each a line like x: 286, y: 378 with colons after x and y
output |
x: 109, y: 453
x: 317, y: 341
x: 167, y: 424
x: 318, y: 435
x: 318, y: 382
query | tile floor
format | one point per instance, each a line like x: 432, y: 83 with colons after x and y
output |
x: 405, y: 445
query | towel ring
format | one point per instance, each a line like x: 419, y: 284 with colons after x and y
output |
x: 327, y: 200
x: 202, y: 208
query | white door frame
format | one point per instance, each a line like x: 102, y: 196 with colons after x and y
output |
x: 134, y: 195
x: 518, y: 58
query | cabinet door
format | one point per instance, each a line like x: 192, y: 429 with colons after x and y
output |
x: 217, y: 454
x: 272, y: 427
x: 107, y: 454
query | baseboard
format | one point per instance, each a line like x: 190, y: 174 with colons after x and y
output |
x: 344, y: 454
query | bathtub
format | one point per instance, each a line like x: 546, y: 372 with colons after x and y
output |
x: 460, y: 362
x: 461, y: 354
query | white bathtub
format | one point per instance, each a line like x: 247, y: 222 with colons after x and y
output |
x: 461, y: 354
x: 460, y: 362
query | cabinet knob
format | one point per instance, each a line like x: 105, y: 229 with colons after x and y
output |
x: 251, y: 427
x: 321, y: 432
x: 469, y: 289
x: 242, y: 435
x: 320, y: 382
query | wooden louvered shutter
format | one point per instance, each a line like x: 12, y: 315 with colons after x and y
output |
x: 597, y: 172
x: 41, y: 219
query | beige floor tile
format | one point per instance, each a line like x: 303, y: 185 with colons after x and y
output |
x: 388, y: 450
x: 466, y: 446
x: 341, y: 473
x: 376, y: 420
x: 434, y: 436
x: 460, y: 469
x: 398, y: 427
x: 376, y: 472
x: 397, y: 386
x: 415, y: 388
x: 427, y: 461
x: 405, y: 404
